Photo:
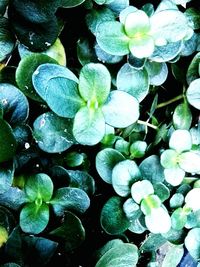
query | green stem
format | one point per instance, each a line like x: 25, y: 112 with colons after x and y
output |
x: 147, y: 124
x: 163, y: 104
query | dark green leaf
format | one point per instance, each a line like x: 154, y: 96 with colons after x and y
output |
x: 193, y: 95
x: 13, y: 198
x: 6, y: 177
x: 152, y: 242
x: 68, y: 198
x: 193, y: 15
x: 193, y: 69
x: 118, y: 222
x: 71, y: 231
x: 52, y: 133
x: 3, y: 5
x: 182, y: 117
x: 71, y: 3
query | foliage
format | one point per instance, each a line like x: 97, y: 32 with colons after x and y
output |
x: 99, y: 133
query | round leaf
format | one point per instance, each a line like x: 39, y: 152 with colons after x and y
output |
x: 192, y: 243
x: 142, y: 46
x: 118, y: 222
x: 106, y: 160
x: 169, y: 159
x: 52, y: 133
x: 120, y: 256
x: 157, y: 72
x: 174, y: 176
x: 180, y: 140
x: 179, y: 219
x: 67, y: 198
x: 34, y: 219
x: 182, y: 117
x: 6, y: 177
x: 193, y: 94
x: 189, y: 161
x: 124, y: 174
x: 193, y: 69
x: 141, y: 190
x: 133, y: 81
x: 89, y: 126
x: 192, y: 199
x: 121, y: 109
x: 39, y: 186
x: 25, y: 71
x: 112, y: 38
x: 94, y: 83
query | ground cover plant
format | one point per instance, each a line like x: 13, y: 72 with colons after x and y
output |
x: 99, y: 133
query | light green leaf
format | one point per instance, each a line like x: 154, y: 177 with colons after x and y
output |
x: 180, y: 140
x: 168, y: 25
x: 138, y: 149
x: 162, y: 191
x: 193, y: 69
x: 7, y: 142
x: 149, y: 203
x: 137, y: 23
x: 89, y: 126
x: 142, y: 46
x: 34, y: 219
x: 173, y: 256
x: 157, y: 72
x: 106, y: 160
x: 138, y: 226
x: 94, y: 83
x: 141, y: 189
x: 112, y: 39
x: 121, y: 109
x: 120, y: 256
x: 193, y: 95
x: 132, y: 209
x: 179, y: 219
x: 174, y: 176
x: 169, y: 159
x: 189, y: 161
x: 153, y: 242
x: 133, y: 81
x: 182, y: 117
x: 125, y: 12
x: 158, y: 221
x: 118, y: 222
x: 39, y: 187
x: 69, y: 198
x: 53, y: 134
x: 124, y: 174
x: 176, y: 201
x: 192, y: 199
x: 6, y: 177
x: 192, y: 243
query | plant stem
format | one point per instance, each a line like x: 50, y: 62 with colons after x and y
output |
x: 147, y: 124
x: 163, y: 104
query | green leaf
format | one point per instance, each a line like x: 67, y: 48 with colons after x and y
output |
x: 169, y: 158
x: 193, y: 16
x: 118, y: 5
x: 71, y: 3
x: 52, y: 133
x: 121, y: 109
x: 152, y: 170
x: 25, y: 70
x: 153, y: 242
x: 168, y: 26
x: 138, y: 225
x: 7, y: 39
x: 192, y: 93
x: 67, y: 198
x: 166, y: 52
x: 74, y: 159
x: 97, y: 16
x: 89, y: 126
x: 33, y: 218
x: 71, y: 232
x: 138, y: 149
x: 3, y: 6
x: 149, y: 203
x: 39, y: 187
x: 122, y: 255
x: 85, y: 51
x: 13, y: 198
x: 182, y: 117
x: 7, y: 142
x: 14, y: 103
x: 105, y: 57
x: 179, y: 219
x: 157, y: 72
x: 106, y: 160
x: 45, y: 73
x: 173, y: 256
x: 142, y: 47
x: 94, y: 83
x: 82, y: 180
x: 174, y: 176
x: 192, y: 199
x: 112, y: 39
x: 189, y: 161
x: 162, y: 191
x: 141, y: 189
x: 193, y: 69
x: 180, y: 140
x: 133, y: 81
x: 192, y: 243
x: 158, y: 221
x: 118, y: 222
x: 7, y: 219
x: 124, y: 174
x: 132, y: 209
x: 6, y: 177
x: 176, y: 200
